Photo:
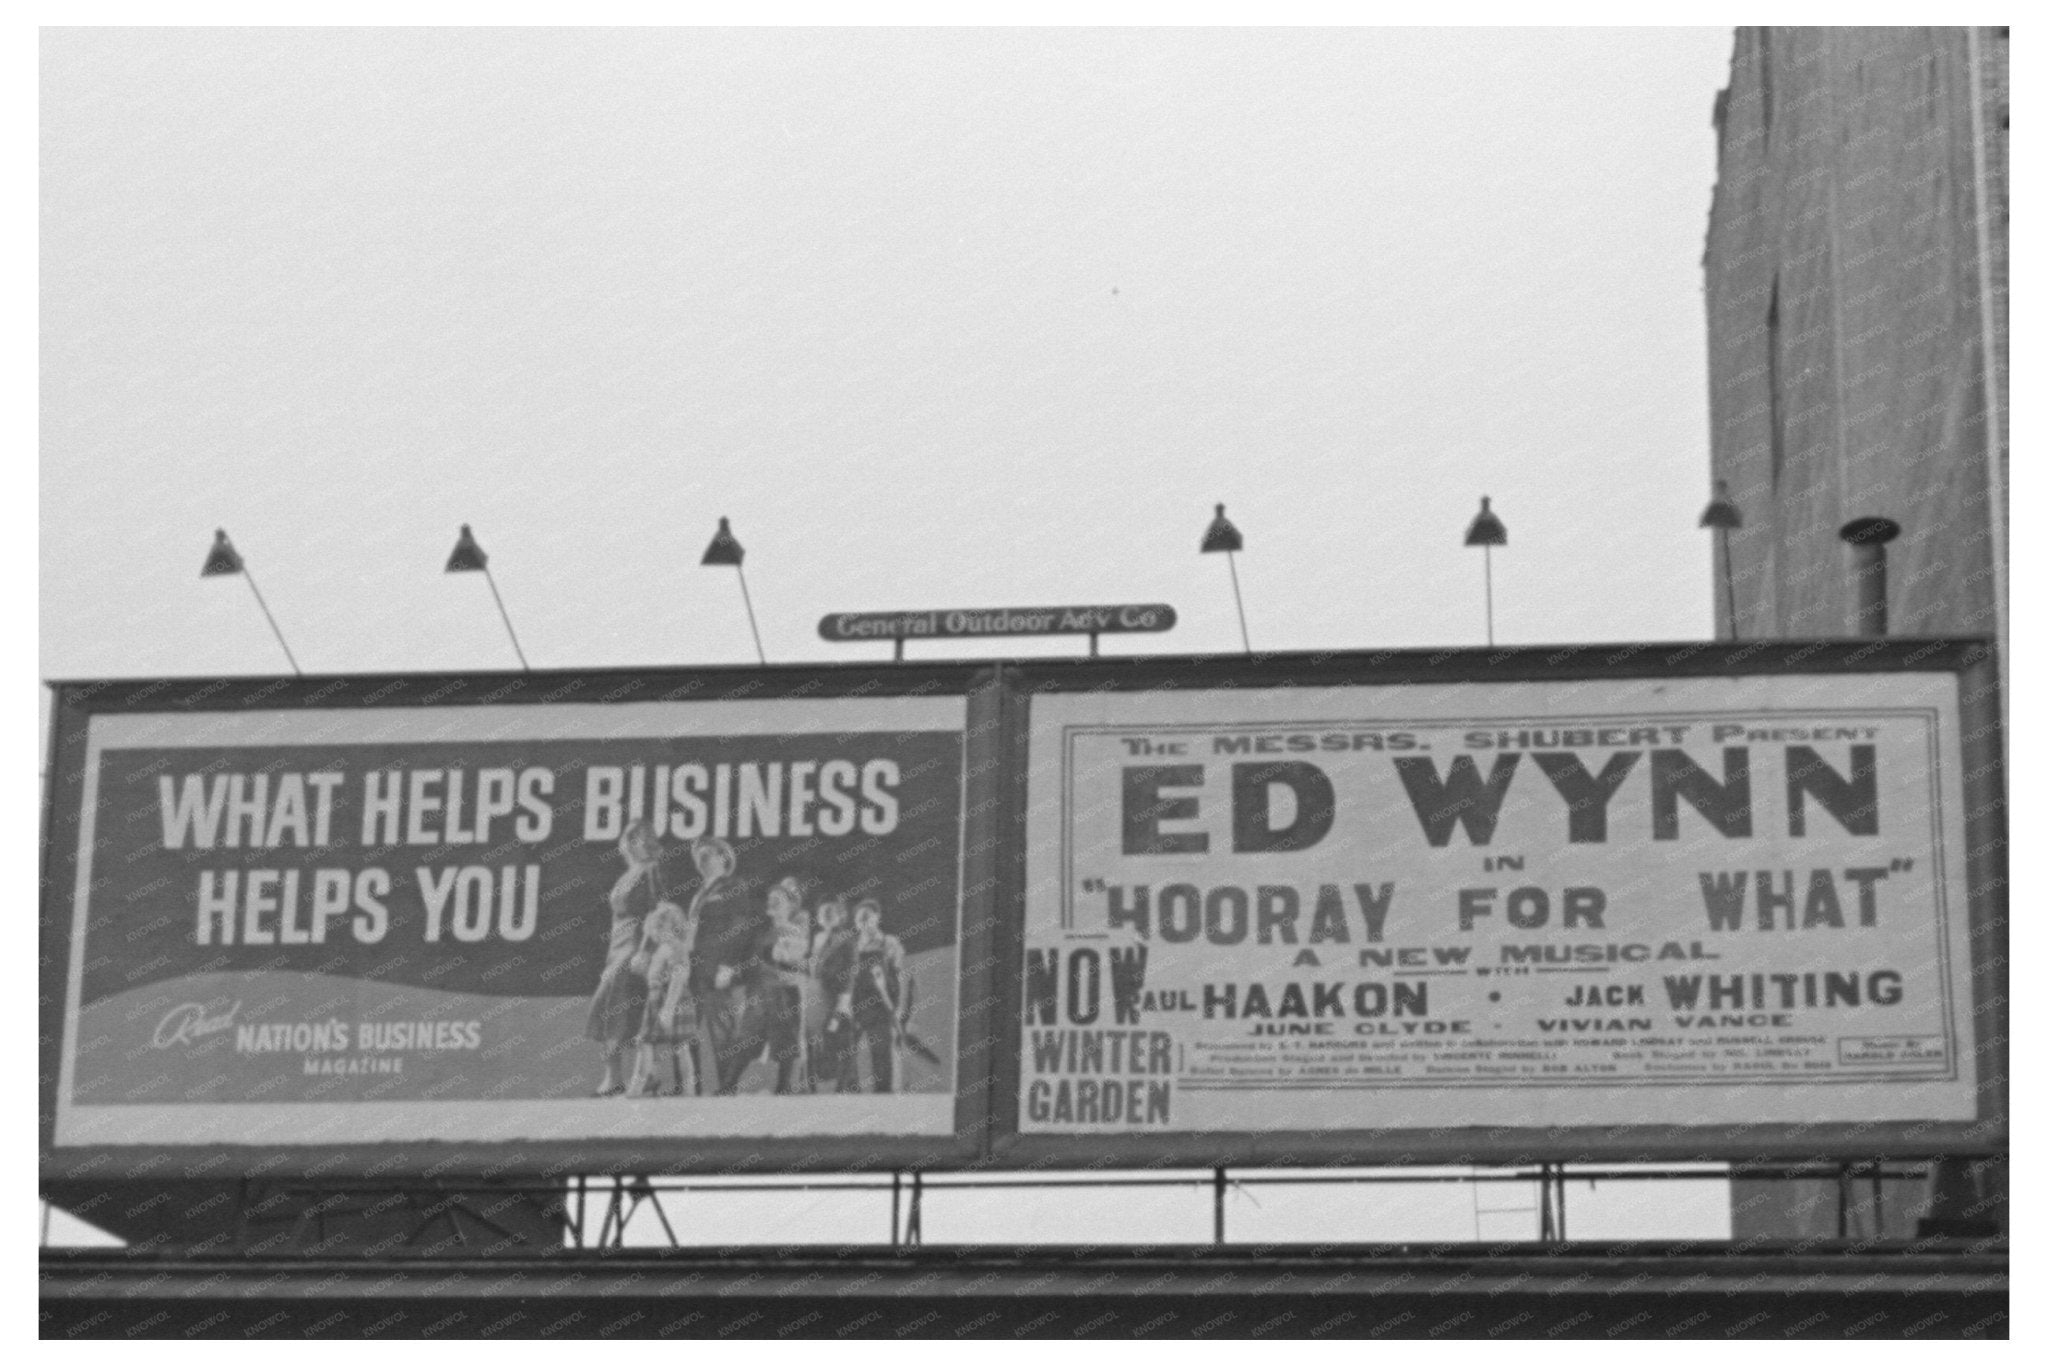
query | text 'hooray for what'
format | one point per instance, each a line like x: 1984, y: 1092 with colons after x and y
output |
x: 1677, y: 902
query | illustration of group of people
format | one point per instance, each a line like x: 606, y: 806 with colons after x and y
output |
x: 727, y: 981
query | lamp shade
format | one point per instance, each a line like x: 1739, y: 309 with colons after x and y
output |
x: 1221, y: 535
x: 1721, y: 513
x: 468, y: 556
x: 725, y: 547
x: 1486, y: 529
x: 222, y: 559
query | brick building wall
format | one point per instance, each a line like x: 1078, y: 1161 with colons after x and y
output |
x: 1852, y: 295
x: 1845, y: 289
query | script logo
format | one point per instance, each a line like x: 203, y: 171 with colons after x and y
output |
x: 190, y: 1022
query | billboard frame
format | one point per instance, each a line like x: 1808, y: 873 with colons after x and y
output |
x: 73, y: 703
x: 1972, y: 660
x: 998, y: 695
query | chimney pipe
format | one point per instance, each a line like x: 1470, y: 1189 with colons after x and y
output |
x: 1866, y: 538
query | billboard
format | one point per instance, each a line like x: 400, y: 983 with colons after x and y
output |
x: 1433, y: 910
x: 1679, y: 902
x: 644, y: 921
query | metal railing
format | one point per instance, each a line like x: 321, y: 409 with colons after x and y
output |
x: 603, y: 1212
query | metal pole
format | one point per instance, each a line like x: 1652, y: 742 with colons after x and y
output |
x: 506, y: 617
x: 899, y: 649
x: 1869, y: 575
x: 615, y: 1215
x: 1994, y: 464
x: 1219, y: 1206
x: 1488, y: 551
x: 654, y: 1197
x: 1237, y: 593
x: 1866, y: 538
x: 1728, y: 580
x: 895, y: 1206
x: 748, y: 599
x: 273, y: 622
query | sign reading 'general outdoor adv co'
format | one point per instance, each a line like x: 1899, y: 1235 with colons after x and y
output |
x: 998, y: 621
x: 1675, y: 902
x: 663, y: 920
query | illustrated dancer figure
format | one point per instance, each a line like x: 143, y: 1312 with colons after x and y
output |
x: 618, y: 1006
x: 669, y: 1034
x: 877, y: 998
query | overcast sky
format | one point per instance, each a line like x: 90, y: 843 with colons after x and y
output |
x: 937, y: 317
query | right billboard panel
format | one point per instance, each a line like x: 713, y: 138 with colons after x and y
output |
x: 1386, y: 919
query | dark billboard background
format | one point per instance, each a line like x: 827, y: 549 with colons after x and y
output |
x: 142, y: 924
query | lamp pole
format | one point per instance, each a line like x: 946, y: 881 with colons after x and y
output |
x: 725, y: 548
x: 1722, y: 517
x: 1486, y: 532
x: 1489, y: 594
x: 224, y: 559
x: 1224, y: 538
x: 468, y: 558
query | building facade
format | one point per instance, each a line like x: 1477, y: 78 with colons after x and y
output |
x: 1855, y: 281
x: 1856, y: 312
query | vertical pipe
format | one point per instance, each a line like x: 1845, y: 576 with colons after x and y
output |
x: 1728, y: 581
x: 1489, y: 594
x: 1220, y: 1186
x: 1994, y: 436
x: 1871, y: 611
x: 1994, y: 452
x: 1866, y: 538
x: 1868, y: 570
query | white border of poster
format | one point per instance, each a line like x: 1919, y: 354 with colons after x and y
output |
x: 1346, y: 957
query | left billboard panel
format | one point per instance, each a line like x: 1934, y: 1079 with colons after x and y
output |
x: 658, y: 932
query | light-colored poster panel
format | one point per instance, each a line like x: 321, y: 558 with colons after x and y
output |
x: 1541, y: 907
x: 677, y: 922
